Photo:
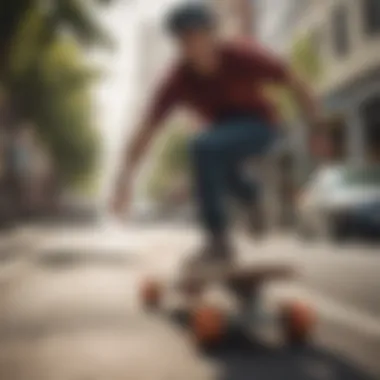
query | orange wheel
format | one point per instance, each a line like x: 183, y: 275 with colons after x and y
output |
x: 299, y: 321
x: 208, y: 325
x: 151, y: 293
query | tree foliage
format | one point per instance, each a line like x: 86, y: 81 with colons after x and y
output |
x: 305, y: 60
x: 72, y: 15
x: 50, y: 81
x: 172, y: 161
x: 11, y: 14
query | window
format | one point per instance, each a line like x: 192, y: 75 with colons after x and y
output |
x: 340, y: 30
x: 371, y: 14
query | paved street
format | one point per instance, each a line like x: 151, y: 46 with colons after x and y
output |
x: 70, y: 311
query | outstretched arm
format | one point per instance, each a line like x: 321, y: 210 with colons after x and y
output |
x: 273, y: 69
x: 137, y: 148
x: 133, y: 153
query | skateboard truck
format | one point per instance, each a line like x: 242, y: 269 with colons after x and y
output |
x: 209, y: 324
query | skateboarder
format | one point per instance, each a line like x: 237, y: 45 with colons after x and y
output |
x: 223, y: 82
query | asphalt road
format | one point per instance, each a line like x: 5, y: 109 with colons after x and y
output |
x: 70, y: 310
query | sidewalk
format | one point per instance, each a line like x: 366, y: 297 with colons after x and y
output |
x: 79, y: 319
x: 18, y: 240
x: 77, y: 290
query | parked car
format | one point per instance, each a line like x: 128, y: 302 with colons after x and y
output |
x: 341, y: 202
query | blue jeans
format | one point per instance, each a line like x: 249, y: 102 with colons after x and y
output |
x: 217, y: 156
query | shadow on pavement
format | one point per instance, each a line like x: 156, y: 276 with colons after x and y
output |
x: 62, y: 259
x: 243, y: 360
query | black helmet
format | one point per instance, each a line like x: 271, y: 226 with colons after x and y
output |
x: 188, y: 17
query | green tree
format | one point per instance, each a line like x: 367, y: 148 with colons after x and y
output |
x: 50, y: 81
x: 306, y: 61
x: 172, y: 161
x: 63, y: 110
x: 74, y: 15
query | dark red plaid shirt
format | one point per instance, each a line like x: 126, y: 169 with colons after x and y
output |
x: 237, y: 87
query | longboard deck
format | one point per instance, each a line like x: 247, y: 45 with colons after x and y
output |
x: 252, y: 273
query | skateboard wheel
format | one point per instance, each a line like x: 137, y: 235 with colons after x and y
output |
x: 208, y: 325
x: 151, y: 293
x: 299, y: 320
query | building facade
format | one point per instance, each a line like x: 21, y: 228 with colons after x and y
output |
x: 275, y: 28
x: 346, y: 34
x: 154, y: 52
x: 275, y: 20
x: 350, y: 44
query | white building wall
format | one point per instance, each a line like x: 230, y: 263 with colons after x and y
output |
x: 154, y: 55
x: 294, y: 18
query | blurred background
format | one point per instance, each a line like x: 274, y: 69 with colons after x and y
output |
x: 74, y: 78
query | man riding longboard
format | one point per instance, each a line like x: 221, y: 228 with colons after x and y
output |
x: 223, y: 82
